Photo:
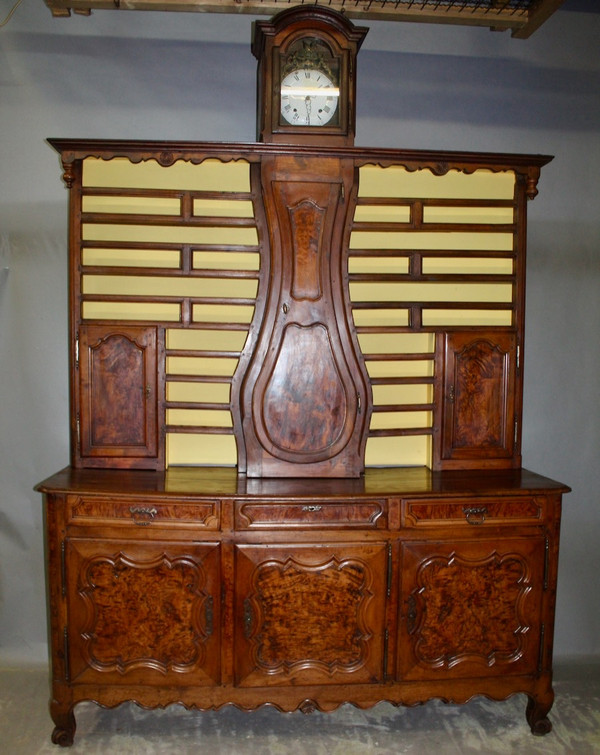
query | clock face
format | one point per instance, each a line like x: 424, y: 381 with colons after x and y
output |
x: 308, y: 98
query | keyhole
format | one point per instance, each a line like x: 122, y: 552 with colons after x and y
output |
x: 285, y: 309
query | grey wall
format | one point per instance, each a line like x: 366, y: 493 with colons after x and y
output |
x: 192, y: 76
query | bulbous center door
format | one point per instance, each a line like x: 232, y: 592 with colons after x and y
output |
x: 305, y: 395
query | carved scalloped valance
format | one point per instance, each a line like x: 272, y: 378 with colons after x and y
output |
x: 166, y: 153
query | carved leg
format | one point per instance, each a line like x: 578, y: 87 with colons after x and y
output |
x: 537, y: 714
x: 64, y: 731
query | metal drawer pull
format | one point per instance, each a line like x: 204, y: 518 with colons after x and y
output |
x: 475, y: 514
x: 142, y: 516
x: 311, y: 507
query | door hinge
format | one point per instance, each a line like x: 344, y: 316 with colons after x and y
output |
x: 546, y: 562
x: 66, y: 654
x: 541, y: 653
x: 518, y: 359
x: 77, y: 351
x: 389, y: 569
x: 516, y: 431
x: 78, y: 429
x: 386, y: 639
x: 63, y: 569
x: 209, y: 616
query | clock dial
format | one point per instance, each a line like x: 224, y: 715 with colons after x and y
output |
x: 308, y: 98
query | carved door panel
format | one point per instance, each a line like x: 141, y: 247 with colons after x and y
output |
x: 310, y: 614
x: 118, y: 387
x: 306, y: 397
x: 142, y: 613
x: 471, y: 608
x: 478, y: 386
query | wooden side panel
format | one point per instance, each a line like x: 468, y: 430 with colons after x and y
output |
x: 471, y: 608
x: 309, y: 614
x: 118, y: 384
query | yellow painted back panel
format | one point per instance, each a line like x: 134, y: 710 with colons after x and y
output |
x: 211, y: 175
x: 396, y: 181
x: 198, y: 384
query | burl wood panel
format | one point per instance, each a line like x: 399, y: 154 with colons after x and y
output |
x: 140, y: 608
x: 310, y: 615
x: 307, y: 222
x: 471, y: 605
x: 479, y: 393
x: 305, y: 369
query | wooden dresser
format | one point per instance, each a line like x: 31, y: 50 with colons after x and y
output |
x: 296, y: 398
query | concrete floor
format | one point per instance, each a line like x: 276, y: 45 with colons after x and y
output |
x: 480, y: 726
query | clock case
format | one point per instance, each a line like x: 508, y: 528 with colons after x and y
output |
x: 279, y: 38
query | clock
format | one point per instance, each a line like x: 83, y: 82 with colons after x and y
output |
x: 308, y: 97
x: 306, y: 76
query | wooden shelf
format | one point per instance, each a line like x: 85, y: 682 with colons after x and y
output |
x: 521, y: 17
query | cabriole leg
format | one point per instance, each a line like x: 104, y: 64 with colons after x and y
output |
x: 537, y: 714
x: 64, y: 730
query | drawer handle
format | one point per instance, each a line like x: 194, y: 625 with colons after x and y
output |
x: 475, y: 514
x: 142, y: 516
x: 312, y: 507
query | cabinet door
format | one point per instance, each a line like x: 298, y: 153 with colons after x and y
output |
x: 477, y: 381
x: 309, y: 614
x: 142, y: 612
x: 118, y: 385
x: 471, y: 608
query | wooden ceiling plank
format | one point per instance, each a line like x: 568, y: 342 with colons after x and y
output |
x: 500, y: 15
x: 537, y: 16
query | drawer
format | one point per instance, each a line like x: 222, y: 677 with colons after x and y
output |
x: 143, y: 512
x: 473, y: 511
x: 310, y: 514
